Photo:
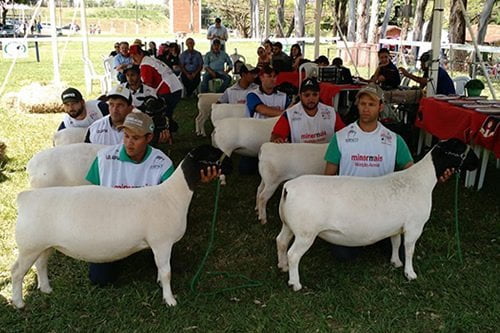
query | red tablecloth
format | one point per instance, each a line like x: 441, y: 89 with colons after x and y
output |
x: 445, y: 121
x: 291, y: 77
x: 329, y: 90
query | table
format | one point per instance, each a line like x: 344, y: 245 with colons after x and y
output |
x: 328, y: 91
x: 290, y: 77
x: 445, y: 121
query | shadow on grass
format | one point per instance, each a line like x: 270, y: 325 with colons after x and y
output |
x: 3, y: 163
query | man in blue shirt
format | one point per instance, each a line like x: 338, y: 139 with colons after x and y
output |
x: 445, y: 84
x: 191, y: 62
x: 214, y: 62
x: 121, y: 61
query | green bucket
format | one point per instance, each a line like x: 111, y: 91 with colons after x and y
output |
x: 474, y: 92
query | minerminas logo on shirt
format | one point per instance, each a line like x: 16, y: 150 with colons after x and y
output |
x: 99, y: 131
x: 367, y: 158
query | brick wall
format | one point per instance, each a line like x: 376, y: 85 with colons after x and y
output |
x: 181, y: 16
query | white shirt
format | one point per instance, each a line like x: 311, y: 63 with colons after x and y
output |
x: 236, y: 94
x: 218, y: 33
x: 116, y: 170
x: 140, y: 94
x: 307, y: 129
x: 277, y: 99
x: 93, y: 114
x: 366, y: 154
x: 101, y: 132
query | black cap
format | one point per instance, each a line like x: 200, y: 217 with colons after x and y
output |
x: 247, y: 68
x: 216, y: 41
x: 309, y: 84
x: 71, y: 95
x: 132, y: 67
x: 218, y: 20
x: 267, y: 69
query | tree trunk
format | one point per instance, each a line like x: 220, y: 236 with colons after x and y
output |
x: 483, y: 21
x: 362, y: 22
x: 428, y: 30
x: 457, y: 34
x: 372, y: 30
x: 254, y: 18
x: 351, y: 28
x: 343, y: 20
x: 299, y: 15
x: 290, y: 28
x: 387, y: 17
x: 280, y: 24
x: 418, y: 23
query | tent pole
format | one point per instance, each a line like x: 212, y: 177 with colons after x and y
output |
x: 55, y: 55
x: 317, y: 30
x: 436, y: 46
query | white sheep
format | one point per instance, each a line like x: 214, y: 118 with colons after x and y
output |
x: 100, y: 224
x: 62, y: 165
x: 281, y: 162
x: 205, y: 102
x: 223, y: 111
x: 69, y: 135
x: 355, y: 211
x: 244, y: 136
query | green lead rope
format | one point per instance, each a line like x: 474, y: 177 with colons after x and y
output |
x: 457, y: 229
x: 196, y: 278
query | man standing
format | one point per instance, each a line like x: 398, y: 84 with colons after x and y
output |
x: 386, y: 75
x: 280, y: 60
x: 219, y: 32
x: 78, y: 112
x: 138, y: 90
x: 191, y: 62
x: 237, y: 94
x: 106, y: 130
x: 308, y: 121
x: 445, y: 84
x: 160, y: 77
x: 215, y: 62
x: 265, y: 101
x: 121, y: 61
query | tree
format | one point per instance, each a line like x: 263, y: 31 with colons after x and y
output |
x: 418, y: 23
x: 235, y: 13
x: 362, y: 21
x: 387, y: 17
x: 280, y: 20
x: 373, y: 26
x: 456, y: 33
x: 299, y: 14
x: 483, y: 21
x: 254, y: 18
x: 351, y: 27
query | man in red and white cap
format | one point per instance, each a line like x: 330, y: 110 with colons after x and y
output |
x: 308, y: 121
x: 160, y: 77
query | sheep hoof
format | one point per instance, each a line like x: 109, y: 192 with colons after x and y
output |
x: 410, y: 275
x: 396, y: 263
x: 18, y: 304
x: 171, y: 301
x: 296, y: 286
x: 283, y: 267
x: 46, y: 290
x: 263, y: 220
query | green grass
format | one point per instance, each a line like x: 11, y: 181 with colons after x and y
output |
x: 366, y: 295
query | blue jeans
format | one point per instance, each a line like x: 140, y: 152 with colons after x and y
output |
x: 226, y: 81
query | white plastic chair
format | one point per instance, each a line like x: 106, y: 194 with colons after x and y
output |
x: 94, y: 77
x: 459, y: 83
x: 310, y: 69
x: 109, y: 72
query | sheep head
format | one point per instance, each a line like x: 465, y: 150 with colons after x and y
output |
x: 453, y: 153
x: 200, y: 158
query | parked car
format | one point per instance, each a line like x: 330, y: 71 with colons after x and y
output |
x: 46, y: 29
x: 70, y: 29
x: 9, y: 30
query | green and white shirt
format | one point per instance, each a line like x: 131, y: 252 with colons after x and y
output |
x: 113, y: 168
x: 367, y: 154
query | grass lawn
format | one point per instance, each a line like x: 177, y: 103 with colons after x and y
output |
x: 367, y: 295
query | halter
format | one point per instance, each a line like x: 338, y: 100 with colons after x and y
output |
x: 462, y: 156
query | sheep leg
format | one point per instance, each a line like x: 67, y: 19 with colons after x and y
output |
x: 259, y: 191
x: 410, y: 240
x: 162, y: 259
x: 42, y: 271
x: 299, y: 247
x: 18, y: 271
x: 265, y: 195
x: 197, y: 121
x: 282, y: 242
x: 396, y: 242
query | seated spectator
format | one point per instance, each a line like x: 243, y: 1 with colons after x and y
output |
x: 386, y: 75
x: 237, y: 94
x: 344, y: 75
x: 163, y: 52
x: 116, y: 50
x: 322, y: 61
x: 296, y: 56
x: 105, y: 131
x: 280, y: 60
x: 152, y: 51
x: 308, y: 121
x: 268, y: 46
x: 263, y: 58
x: 191, y: 64
x: 78, y: 112
x: 217, y: 65
x: 445, y: 84
x: 122, y: 60
x: 172, y: 59
x: 138, y: 89
x: 265, y: 101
